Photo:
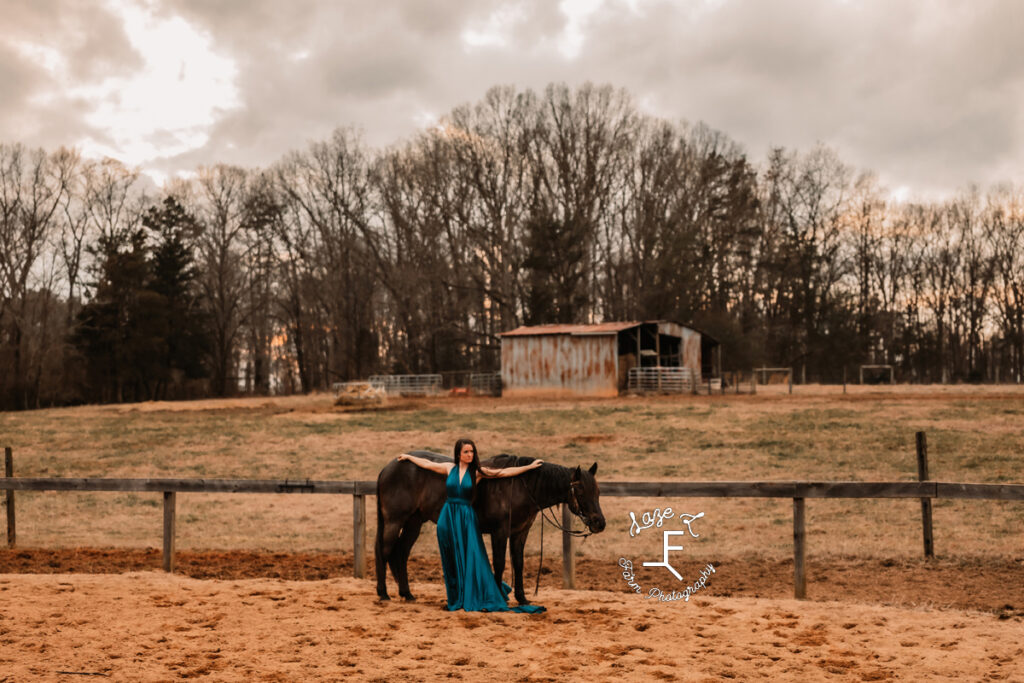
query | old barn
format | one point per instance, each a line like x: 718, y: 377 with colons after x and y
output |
x: 605, y: 359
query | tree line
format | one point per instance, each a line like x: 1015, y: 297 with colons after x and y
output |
x: 339, y: 261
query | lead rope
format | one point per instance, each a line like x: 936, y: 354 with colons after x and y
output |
x: 540, y: 565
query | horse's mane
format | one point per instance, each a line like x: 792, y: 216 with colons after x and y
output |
x: 430, y: 455
x: 546, y: 482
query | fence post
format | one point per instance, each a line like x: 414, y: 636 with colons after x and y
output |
x: 753, y: 381
x: 170, y: 500
x: 359, y: 535
x: 799, y: 550
x: 9, y: 472
x: 791, y: 380
x: 568, y: 557
x: 926, y: 503
x: 844, y: 379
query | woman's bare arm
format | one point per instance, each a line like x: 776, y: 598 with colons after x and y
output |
x: 510, y: 471
x: 439, y: 467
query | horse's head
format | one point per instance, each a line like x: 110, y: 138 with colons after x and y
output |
x: 584, y: 498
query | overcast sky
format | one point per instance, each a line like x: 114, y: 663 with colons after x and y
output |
x: 927, y: 93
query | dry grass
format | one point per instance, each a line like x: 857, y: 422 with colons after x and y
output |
x: 975, y: 434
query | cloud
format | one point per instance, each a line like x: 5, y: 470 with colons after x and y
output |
x: 927, y: 95
x: 114, y: 81
x: 39, y: 43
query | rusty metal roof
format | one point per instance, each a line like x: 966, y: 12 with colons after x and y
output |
x: 595, y: 330
x: 576, y: 330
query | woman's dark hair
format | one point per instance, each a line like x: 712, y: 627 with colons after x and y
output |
x: 474, y: 465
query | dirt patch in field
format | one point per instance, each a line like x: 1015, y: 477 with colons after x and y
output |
x: 590, y: 438
x: 995, y: 586
x: 59, y: 627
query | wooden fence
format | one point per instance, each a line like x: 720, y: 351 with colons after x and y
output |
x: 798, y: 491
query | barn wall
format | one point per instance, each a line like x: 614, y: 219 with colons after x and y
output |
x: 691, y: 350
x: 560, y: 365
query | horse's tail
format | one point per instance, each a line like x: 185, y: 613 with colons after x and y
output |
x: 380, y: 561
x: 379, y: 536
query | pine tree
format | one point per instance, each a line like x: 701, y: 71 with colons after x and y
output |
x: 116, y: 332
x: 180, y: 319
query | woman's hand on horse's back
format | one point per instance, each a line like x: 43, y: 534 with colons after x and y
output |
x: 404, y: 456
x: 537, y: 463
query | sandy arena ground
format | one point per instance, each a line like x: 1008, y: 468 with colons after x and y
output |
x: 263, y: 589
x: 149, y: 626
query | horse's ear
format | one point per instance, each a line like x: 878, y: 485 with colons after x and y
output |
x: 577, y: 473
x: 593, y: 468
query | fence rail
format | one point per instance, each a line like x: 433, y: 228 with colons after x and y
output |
x: 632, y: 489
x: 799, y: 491
x: 189, y: 485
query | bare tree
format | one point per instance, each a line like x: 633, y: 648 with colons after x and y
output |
x: 577, y: 144
x: 971, y: 284
x: 894, y: 254
x: 807, y: 201
x: 74, y: 228
x: 330, y: 190
x: 1005, y: 217
x: 262, y: 216
x: 114, y: 200
x: 221, y: 198
x: 32, y: 187
x: 294, y: 248
x: 421, y: 249
x: 489, y: 142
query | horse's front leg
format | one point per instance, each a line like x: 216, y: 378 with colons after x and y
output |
x: 518, y: 547
x: 499, y: 542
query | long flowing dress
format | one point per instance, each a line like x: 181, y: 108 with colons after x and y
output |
x: 468, y: 578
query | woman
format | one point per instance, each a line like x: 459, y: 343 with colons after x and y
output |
x: 468, y: 579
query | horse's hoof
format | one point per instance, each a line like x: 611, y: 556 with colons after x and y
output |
x: 384, y: 597
x: 409, y: 598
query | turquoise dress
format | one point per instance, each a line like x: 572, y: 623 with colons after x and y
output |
x: 468, y: 578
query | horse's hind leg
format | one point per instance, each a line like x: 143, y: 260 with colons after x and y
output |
x: 400, y: 558
x: 384, y: 549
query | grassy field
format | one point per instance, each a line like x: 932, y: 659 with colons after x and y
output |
x: 975, y: 434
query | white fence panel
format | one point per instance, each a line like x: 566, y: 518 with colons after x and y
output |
x: 668, y: 379
x: 408, y: 385
x: 485, y: 383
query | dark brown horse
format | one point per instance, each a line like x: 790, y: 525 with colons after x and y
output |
x: 408, y: 496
